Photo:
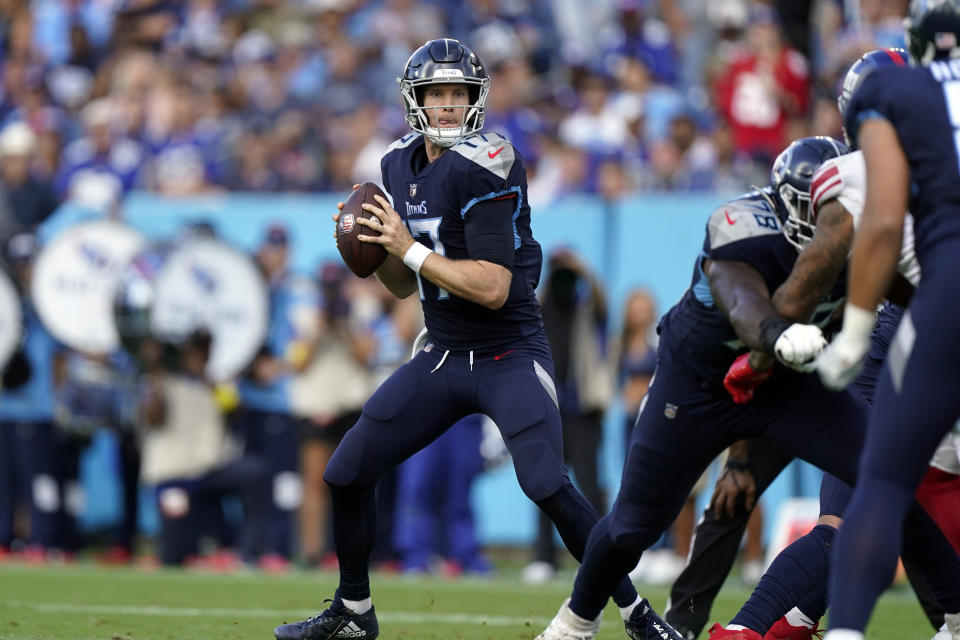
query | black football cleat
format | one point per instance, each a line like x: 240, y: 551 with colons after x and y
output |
x: 335, y: 623
x: 645, y: 624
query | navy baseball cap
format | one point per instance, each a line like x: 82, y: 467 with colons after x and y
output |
x: 276, y: 235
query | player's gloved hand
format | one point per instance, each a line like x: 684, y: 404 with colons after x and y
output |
x: 742, y: 378
x: 799, y: 345
x: 841, y: 362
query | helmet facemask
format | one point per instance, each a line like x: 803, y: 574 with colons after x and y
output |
x: 799, y: 225
x: 791, y: 178
x: 418, y: 115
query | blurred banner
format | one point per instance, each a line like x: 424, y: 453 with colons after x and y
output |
x: 206, y: 284
x: 644, y: 239
x: 74, y: 280
x: 11, y: 318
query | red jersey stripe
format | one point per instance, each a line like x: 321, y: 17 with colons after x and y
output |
x: 823, y: 176
x: 822, y: 192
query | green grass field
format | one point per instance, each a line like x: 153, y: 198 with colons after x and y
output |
x: 85, y: 602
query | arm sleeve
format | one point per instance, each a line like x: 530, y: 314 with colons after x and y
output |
x: 488, y: 227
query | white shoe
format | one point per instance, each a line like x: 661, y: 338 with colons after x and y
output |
x: 538, y: 572
x: 567, y: 625
x: 664, y: 568
x: 639, y: 573
x: 752, y: 571
x: 950, y: 629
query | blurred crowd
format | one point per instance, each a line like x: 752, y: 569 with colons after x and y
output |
x: 186, y: 96
x: 605, y: 97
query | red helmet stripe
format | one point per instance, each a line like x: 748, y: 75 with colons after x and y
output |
x: 896, y: 57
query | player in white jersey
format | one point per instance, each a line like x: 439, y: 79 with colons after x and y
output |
x: 844, y: 179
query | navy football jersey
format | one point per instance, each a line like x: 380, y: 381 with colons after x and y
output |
x: 747, y: 229
x: 923, y: 105
x: 436, y: 199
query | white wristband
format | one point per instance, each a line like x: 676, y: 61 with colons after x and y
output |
x: 415, y: 256
x: 857, y: 321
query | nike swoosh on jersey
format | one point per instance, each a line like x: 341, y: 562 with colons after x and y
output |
x: 495, y: 153
x: 729, y: 219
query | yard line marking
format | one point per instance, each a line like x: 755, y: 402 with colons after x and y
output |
x: 278, y: 614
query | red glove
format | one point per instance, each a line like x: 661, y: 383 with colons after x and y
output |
x: 742, y: 379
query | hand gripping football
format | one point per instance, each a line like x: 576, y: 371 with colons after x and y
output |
x: 363, y: 258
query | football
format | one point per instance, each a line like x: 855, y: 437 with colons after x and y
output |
x: 363, y: 258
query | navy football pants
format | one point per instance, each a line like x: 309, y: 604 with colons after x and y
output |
x: 420, y: 401
x: 916, y: 404
x: 684, y: 423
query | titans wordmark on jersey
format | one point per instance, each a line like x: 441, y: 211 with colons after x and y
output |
x: 435, y: 200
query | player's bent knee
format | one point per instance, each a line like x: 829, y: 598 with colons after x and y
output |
x: 540, y: 476
x: 539, y: 488
x: 346, y: 466
x: 633, y: 539
x: 539, y: 468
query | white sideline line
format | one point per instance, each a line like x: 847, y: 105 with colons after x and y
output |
x: 279, y: 614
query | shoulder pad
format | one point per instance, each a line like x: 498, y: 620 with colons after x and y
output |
x: 489, y: 150
x: 405, y: 141
x: 836, y: 175
x: 742, y: 219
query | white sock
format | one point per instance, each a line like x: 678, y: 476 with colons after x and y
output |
x: 575, y: 621
x: 627, y: 611
x: 735, y: 627
x: 952, y: 623
x: 843, y: 634
x: 359, y: 607
x: 797, y: 618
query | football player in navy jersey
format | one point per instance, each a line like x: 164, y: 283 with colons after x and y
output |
x: 458, y: 232
x: 837, y: 206
x: 687, y: 418
x: 905, y: 119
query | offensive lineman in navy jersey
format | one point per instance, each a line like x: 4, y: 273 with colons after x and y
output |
x: 458, y: 232
x: 905, y: 119
x: 687, y: 418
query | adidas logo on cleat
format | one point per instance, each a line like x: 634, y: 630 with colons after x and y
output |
x: 351, y: 631
x: 660, y: 630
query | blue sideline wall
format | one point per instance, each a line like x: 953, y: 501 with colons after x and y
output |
x: 649, y: 240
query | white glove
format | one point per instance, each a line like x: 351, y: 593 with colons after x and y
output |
x: 798, y: 345
x: 841, y: 362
